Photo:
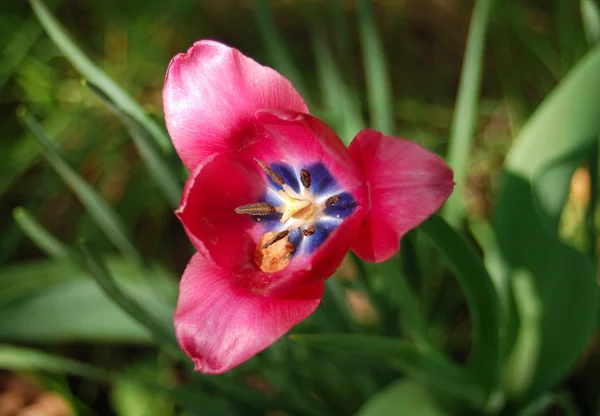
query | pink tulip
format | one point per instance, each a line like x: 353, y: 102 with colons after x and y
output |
x: 275, y: 201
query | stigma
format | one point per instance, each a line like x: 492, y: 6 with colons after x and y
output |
x: 300, y: 209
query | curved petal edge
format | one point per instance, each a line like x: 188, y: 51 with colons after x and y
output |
x: 211, y: 94
x: 219, y: 324
x: 407, y: 183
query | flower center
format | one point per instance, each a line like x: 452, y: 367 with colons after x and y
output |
x: 299, y: 210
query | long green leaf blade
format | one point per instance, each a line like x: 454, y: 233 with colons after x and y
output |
x: 98, y: 209
x: 340, y: 102
x: 164, y: 178
x: 465, y: 113
x: 402, y: 355
x: 95, y: 75
x: 162, y: 331
x: 379, y: 87
x: 276, y: 48
x: 481, y: 297
x: 590, y: 14
x: 39, y: 235
x: 20, y: 156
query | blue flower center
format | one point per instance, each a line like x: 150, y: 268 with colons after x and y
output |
x: 300, y: 208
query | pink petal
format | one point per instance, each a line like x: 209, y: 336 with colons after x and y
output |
x: 220, y: 325
x: 301, y: 140
x: 211, y: 93
x: 407, y: 183
x: 207, y: 211
x: 220, y: 184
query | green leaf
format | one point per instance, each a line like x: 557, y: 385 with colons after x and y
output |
x: 97, y: 76
x: 547, y: 277
x: 432, y: 368
x: 15, y: 52
x: 159, y: 325
x: 276, y: 48
x: 38, y: 234
x: 20, y: 156
x: 590, y: 15
x: 133, y: 399
x: 340, y: 102
x: 465, y: 113
x: 25, y: 359
x: 379, y: 87
x: 571, y: 110
x: 48, y: 301
x: 402, y: 398
x: 481, y: 296
x: 164, y: 178
x: 99, y: 210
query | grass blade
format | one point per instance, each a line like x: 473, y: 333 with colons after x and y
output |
x: 379, y: 87
x: 341, y: 32
x: 39, y: 235
x: 97, y: 76
x: 20, y: 156
x: 277, y: 50
x: 98, y: 209
x: 481, y: 296
x: 161, y: 331
x: 465, y: 113
x: 590, y: 15
x: 402, y: 355
x: 17, y: 49
x: 25, y: 359
x: 164, y: 178
x: 340, y: 102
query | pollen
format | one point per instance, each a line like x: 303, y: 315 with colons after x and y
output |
x: 276, y: 256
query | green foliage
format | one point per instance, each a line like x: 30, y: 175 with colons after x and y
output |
x: 402, y: 397
x: 445, y: 328
x: 548, y: 277
x: 465, y: 113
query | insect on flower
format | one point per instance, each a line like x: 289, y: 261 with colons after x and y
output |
x: 275, y: 200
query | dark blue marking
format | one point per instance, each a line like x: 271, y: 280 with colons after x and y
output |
x: 322, y: 183
x: 321, y: 180
x: 272, y: 198
x: 272, y: 221
x: 323, y: 229
x: 295, y: 238
x: 344, y: 207
x: 288, y: 175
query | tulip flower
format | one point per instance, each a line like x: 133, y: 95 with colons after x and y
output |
x: 275, y: 200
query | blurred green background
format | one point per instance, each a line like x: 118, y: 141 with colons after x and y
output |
x: 495, y: 313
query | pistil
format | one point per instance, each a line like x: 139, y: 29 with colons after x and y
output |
x: 299, y: 210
